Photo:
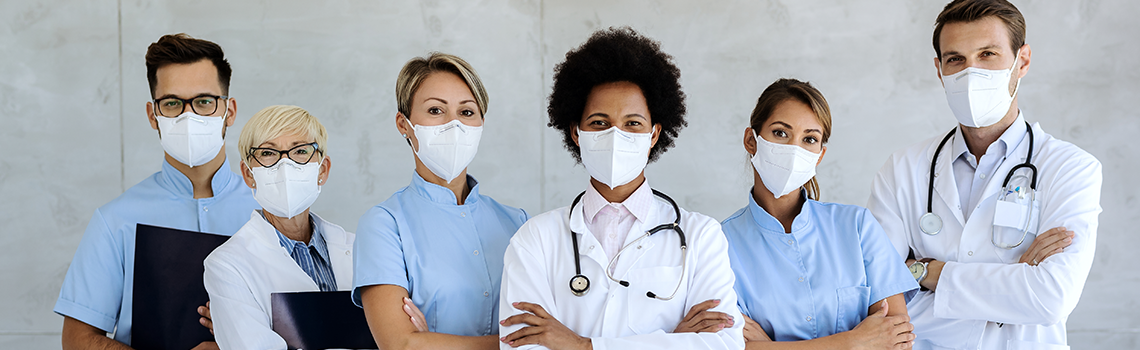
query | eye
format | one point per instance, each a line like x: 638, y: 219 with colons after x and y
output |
x: 988, y: 53
x: 171, y: 103
x: 598, y: 122
x: 633, y: 123
x: 467, y: 113
x: 811, y: 140
x: 953, y: 59
x: 266, y: 153
x: 435, y: 111
x: 779, y: 133
x: 204, y: 101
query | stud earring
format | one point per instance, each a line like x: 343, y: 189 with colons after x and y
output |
x: 404, y: 135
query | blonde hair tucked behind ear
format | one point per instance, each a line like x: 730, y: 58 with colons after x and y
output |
x: 419, y: 68
x: 275, y: 121
x: 785, y: 89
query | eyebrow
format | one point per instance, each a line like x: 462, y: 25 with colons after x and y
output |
x: 176, y: 96
x: 272, y: 145
x: 790, y: 127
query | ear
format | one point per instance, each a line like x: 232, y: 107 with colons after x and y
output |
x: 150, y: 116
x: 656, y: 134
x: 404, y: 126
x: 574, y: 136
x: 325, y: 166
x: 749, y: 141
x: 231, y: 111
x: 1025, y: 54
x: 821, y: 153
x: 247, y: 175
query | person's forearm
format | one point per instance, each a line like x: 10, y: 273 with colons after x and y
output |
x: 433, y: 340
x: 834, y: 341
x: 80, y: 337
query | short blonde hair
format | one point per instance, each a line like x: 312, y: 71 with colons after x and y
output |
x: 275, y: 121
x: 419, y: 68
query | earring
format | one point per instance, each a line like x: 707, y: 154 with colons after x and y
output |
x: 404, y: 135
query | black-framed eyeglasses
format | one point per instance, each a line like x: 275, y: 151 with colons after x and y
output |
x: 201, y: 105
x: 268, y: 157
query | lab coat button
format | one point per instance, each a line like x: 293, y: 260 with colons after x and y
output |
x: 982, y: 176
x: 348, y: 252
x: 970, y: 253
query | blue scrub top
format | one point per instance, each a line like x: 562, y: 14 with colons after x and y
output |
x: 100, y: 282
x: 448, y: 257
x: 818, y: 280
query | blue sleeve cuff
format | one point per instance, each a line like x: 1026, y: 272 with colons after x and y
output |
x: 86, y: 315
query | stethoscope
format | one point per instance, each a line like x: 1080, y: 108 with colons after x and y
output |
x: 930, y: 223
x: 579, y: 284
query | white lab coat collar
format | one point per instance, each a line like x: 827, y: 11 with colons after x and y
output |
x: 589, y: 246
x: 338, y: 242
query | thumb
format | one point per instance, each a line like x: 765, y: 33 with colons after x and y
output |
x: 883, y: 310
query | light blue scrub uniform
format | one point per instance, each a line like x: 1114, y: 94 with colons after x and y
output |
x: 818, y: 280
x: 99, y: 285
x: 449, y: 257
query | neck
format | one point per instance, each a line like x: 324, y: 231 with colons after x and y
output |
x: 458, y: 186
x: 784, y: 209
x: 298, y: 228
x: 200, y: 176
x: 621, y: 193
x: 979, y: 139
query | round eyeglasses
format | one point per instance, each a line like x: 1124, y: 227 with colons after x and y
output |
x: 203, y: 105
x: 268, y: 157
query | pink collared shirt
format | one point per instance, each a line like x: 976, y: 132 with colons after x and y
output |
x: 611, y: 222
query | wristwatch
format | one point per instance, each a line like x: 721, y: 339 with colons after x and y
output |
x: 919, y: 271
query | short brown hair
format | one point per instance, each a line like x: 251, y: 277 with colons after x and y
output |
x: 183, y: 49
x: 419, y: 68
x: 973, y: 10
x: 792, y: 89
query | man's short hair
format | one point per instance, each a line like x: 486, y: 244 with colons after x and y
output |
x: 183, y: 49
x: 973, y: 10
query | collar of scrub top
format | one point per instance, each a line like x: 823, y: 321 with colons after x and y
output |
x: 769, y: 223
x: 180, y: 185
x: 442, y: 195
x: 580, y: 223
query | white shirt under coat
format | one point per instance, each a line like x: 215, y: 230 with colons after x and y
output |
x: 985, y: 299
x: 242, y: 274
x: 539, y: 263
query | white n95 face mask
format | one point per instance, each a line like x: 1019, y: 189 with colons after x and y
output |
x: 286, y: 189
x: 980, y: 97
x: 447, y: 149
x: 190, y: 138
x: 783, y: 168
x: 614, y: 157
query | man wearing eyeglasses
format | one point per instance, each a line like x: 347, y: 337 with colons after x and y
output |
x: 195, y: 190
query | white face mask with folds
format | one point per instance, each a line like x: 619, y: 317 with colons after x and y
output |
x: 980, y: 97
x: 446, y: 149
x: 613, y: 156
x: 783, y: 168
x: 286, y: 189
x: 190, y: 138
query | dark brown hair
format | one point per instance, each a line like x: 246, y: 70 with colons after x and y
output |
x: 183, y: 49
x: 972, y: 10
x: 789, y: 89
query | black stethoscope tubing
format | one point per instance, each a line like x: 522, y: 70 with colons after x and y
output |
x: 583, y: 283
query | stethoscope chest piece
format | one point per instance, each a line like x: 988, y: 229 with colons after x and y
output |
x: 579, y: 285
x: 930, y: 223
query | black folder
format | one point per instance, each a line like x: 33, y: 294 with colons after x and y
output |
x: 320, y: 320
x: 168, y: 287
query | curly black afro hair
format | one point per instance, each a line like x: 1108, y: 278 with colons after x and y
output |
x: 613, y: 55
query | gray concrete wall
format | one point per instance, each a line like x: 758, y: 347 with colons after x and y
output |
x: 73, y: 92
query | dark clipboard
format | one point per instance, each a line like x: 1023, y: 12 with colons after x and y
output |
x: 320, y: 320
x: 168, y: 287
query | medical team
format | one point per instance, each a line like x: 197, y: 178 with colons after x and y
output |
x: 997, y: 261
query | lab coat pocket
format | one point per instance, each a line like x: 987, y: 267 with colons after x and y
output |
x: 1028, y: 345
x: 647, y: 315
x: 852, y: 307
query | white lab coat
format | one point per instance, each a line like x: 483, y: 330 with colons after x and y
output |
x: 242, y: 273
x: 539, y: 263
x: 982, y: 285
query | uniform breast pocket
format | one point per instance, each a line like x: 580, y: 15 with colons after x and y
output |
x: 1015, y: 226
x: 647, y: 314
x: 852, y: 308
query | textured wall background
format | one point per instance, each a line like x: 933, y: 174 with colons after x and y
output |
x: 73, y: 91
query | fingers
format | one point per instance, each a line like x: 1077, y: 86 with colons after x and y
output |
x: 204, y: 310
x: 532, y: 308
x: 523, y: 318
x: 699, y: 308
x: 513, y: 338
x: 882, y: 310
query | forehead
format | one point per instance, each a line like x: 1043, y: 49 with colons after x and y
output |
x: 187, y: 80
x: 794, y: 112
x: 969, y: 36
x: 439, y: 84
x: 289, y: 138
x: 615, y: 97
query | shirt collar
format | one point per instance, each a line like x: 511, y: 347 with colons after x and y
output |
x: 1006, y: 143
x: 444, y: 195
x: 639, y: 203
x: 770, y: 224
x: 177, y: 182
x: 316, y: 241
